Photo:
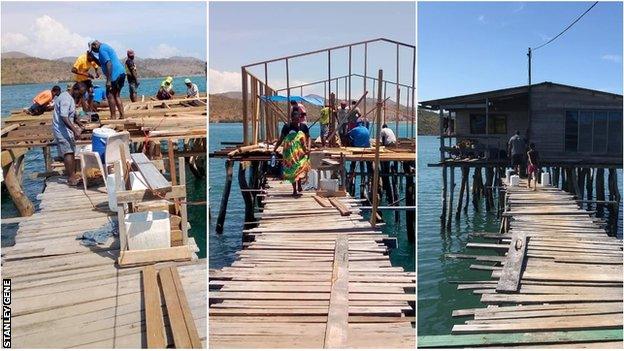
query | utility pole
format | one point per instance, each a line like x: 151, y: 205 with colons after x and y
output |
x: 528, y: 130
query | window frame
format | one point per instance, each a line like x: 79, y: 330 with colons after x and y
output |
x: 605, y: 149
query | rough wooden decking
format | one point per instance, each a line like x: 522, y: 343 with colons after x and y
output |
x: 311, y: 279
x: 569, y: 274
x: 66, y: 295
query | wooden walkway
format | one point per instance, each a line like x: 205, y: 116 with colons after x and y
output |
x: 66, y: 295
x: 559, y: 284
x: 311, y: 278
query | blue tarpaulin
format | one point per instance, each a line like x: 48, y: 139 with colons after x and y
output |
x: 314, y: 100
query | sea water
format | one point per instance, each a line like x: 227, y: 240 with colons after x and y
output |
x: 15, y: 97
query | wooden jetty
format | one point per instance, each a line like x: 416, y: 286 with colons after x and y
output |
x: 556, y: 278
x: 179, y: 121
x: 66, y: 295
x: 312, y: 274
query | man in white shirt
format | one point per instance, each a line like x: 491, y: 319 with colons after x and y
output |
x: 387, y: 136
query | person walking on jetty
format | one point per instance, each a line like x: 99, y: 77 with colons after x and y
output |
x: 515, y: 150
x: 131, y: 74
x: 303, y: 113
x: 387, y: 136
x: 165, y: 92
x: 533, y: 168
x: 83, y: 64
x: 66, y: 128
x: 360, y: 136
x: 44, y: 101
x: 296, y: 139
x: 324, y: 123
x: 115, y: 74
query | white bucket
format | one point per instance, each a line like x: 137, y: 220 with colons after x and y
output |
x: 148, y: 230
x: 545, y: 179
x: 137, y: 182
x: 515, y: 180
x: 111, y: 190
x: 329, y: 184
x: 508, y: 174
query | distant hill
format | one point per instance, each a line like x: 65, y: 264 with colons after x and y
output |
x: 19, y: 68
x: 227, y: 107
x: 428, y: 122
x: 14, y: 54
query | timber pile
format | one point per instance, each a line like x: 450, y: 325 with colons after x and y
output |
x: 69, y: 295
x: 559, y: 285
x: 311, y: 277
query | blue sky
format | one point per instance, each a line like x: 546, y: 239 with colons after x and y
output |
x: 242, y: 33
x: 152, y: 29
x: 472, y: 47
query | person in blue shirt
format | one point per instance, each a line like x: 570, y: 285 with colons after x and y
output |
x: 98, y: 98
x: 360, y: 136
x: 115, y: 74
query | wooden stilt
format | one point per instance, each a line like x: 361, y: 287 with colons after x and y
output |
x: 13, y: 184
x: 247, y: 197
x: 410, y: 200
x: 462, y: 189
x: 444, y: 191
x: 600, y: 191
x: 229, y: 170
x: 451, y: 196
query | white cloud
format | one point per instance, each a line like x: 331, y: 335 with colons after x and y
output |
x: 47, y: 38
x: 223, y: 81
x: 481, y: 18
x: 612, y: 58
x: 519, y: 8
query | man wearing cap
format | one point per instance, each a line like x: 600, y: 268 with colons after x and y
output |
x: 165, y: 92
x: 131, y: 73
x: 192, y: 91
x: 115, y: 74
x: 343, y: 127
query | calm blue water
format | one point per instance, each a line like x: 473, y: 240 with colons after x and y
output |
x: 437, y: 298
x: 19, y: 96
x: 224, y: 246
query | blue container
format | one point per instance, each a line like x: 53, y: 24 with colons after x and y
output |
x: 98, y: 141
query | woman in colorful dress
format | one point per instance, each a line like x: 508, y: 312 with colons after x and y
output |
x: 295, y: 138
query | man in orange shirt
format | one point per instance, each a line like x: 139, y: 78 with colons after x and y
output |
x: 44, y: 101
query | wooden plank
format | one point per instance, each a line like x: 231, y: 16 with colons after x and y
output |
x: 177, y: 191
x: 177, y: 323
x: 186, y: 311
x: 344, y: 211
x: 323, y: 201
x: 135, y: 257
x: 537, y: 338
x: 154, y: 322
x: 512, y: 270
x: 338, y: 314
x: 154, y: 179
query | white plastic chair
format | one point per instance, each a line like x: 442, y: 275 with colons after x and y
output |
x: 91, y: 159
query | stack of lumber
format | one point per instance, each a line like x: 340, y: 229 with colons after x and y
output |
x: 67, y: 295
x: 310, y: 278
x: 560, y: 282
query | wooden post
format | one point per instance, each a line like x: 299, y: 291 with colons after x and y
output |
x: 444, y: 191
x: 245, y: 95
x: 350, y: 74
x: 377, y: 145
x: 589, y: 185
x: 462, y: 189
x: 451, y: 196
x: 183, y: 208
x: 247, y: 198
x: 172, y: 171
x: 13, y: 185
x: 47, y: 158
x: 329, y: 73
x: 600, y: 191
x: 287, y: 89
x: 229, y: 170
x: 410, y: 200
x: 365, y: 69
